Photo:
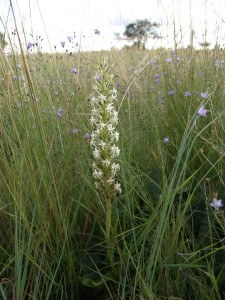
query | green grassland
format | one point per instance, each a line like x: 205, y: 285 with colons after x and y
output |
x: 166, y: 240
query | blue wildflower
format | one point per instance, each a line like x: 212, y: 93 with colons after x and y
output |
x: 169, y: 60
x: 204, y: 95
x: 202, y: 111
x: 30, y: 45
x: 157, y: 78
x: 216, y: 204
x: 74, y: 70
x: 166, y: 140
x: 97, y: 31
x: 98, y: 77
x: 86, y: 136
x: 69, y: 38
x: 219, y: 63
x: 63, y: 44
x: 59, y: 112
x: 187, y: 94
x: 75, y: 131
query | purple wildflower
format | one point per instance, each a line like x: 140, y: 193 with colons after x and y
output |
x: 169, y: 60
x: 98, y: 77
x: 75, y: 131
x: 70, y: 38
x: 97, y: 31
x: 74, y: 70
x: 217, y: 204
x: 157, y: 78
x: 166, y: 140
x: 202, y: 112
x: 63, y: 44
x: 219, y: 63
x: 187, y: 94
x: 29, y: 45
x: 171, y: 93
x: 86, y: 136
x: 59, y: 112
x: 204, y: 95
x: 173, y: 53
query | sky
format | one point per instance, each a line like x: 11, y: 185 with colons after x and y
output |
x: 55, y: 20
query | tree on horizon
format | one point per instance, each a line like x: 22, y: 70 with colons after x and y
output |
x: 140, y: 31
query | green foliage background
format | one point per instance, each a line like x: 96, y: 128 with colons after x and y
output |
x: 167, y: 241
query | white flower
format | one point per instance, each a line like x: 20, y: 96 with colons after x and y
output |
x: 101, y: 99
x: 95, y: 111
x: 96, y: 153
x: 114, y: 114
x: 109, y: 107
x: 101, y: 126
x: 92, y: 143
x: 94, y: 138
x: 114, y: 168
x: 110, y: 128
x: 111, y: 181
x: 115, y: 135
x: 114, y: 120
x: 97, y: 185
x: 113, y: 91
x: 93, y: 120
x: 114, y: 117
x: 104, y: 119
x: 97, y: 132
x: 115, y: 151
x: 93, y: 100
x: 113, y: 94
x: 117, y: 187
x: 97, y: 173
x: 217, y: 204
x: 102, y: 145
x: 106, y: 162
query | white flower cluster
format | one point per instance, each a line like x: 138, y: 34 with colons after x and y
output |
x: 104, y: 137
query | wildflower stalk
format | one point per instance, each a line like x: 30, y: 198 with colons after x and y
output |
x: 104, y: 138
